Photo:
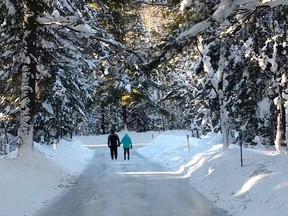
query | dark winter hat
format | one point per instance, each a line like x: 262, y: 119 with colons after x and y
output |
x: 112, y: 131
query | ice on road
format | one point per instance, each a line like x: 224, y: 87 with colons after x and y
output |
x: 126, y: 188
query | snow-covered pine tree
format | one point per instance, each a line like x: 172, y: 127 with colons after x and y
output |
x: 223, y: 34
x: 197, y: 105
x: 19, y: 58
x: 258, y: 46
x: 119, y: 73
x: 63, y: 53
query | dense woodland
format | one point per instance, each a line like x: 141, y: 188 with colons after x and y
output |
x: 82, y: 67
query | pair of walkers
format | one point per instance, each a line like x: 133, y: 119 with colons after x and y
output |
x: 114, y: 142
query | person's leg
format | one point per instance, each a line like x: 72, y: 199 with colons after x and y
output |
x: 128, y: 152
x: 111, y: 152
x: 125, y: 150
x: 116, y: 153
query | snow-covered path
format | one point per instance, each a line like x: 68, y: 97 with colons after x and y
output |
x: 125, y: 188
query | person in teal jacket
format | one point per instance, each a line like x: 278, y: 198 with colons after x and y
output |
x: 127, y: 144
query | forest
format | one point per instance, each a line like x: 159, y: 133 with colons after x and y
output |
x: 72, y: 67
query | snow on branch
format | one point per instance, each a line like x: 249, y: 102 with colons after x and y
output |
x: 86, y: 30
x: 118, y: 45
x: 195, y: 30
x: 223, y: 10
x: 227, y: 7
x: 275, y: 3
x: 185, y: 4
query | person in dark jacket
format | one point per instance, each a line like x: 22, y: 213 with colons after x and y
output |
x: 113, y: 143
x: 127, y: 144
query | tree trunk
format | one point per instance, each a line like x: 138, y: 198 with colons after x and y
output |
x: 281, y: 121
x: 103, y: 131
x: 223, y: 120
x: 281, y: 115
x: 285, y: 110
x: 125, y: 114
x: 221, y: 96
x: 29, y: 75
x: 285, y: 84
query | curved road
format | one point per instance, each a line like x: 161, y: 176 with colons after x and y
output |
x: 126, y: 188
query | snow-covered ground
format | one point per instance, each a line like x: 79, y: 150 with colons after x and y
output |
x: 30, y: 180
x: 258, y: 188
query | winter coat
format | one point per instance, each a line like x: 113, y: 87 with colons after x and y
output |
x: 126, y: 141
x: 113, y: 140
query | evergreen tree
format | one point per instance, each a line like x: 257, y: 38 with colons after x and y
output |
x: 65, y: 67
x: 66, y: 50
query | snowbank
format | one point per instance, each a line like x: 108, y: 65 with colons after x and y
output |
x: 35, y: 177
x: 260, y: 187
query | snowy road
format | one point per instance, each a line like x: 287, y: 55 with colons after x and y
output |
x: 127, y: 188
